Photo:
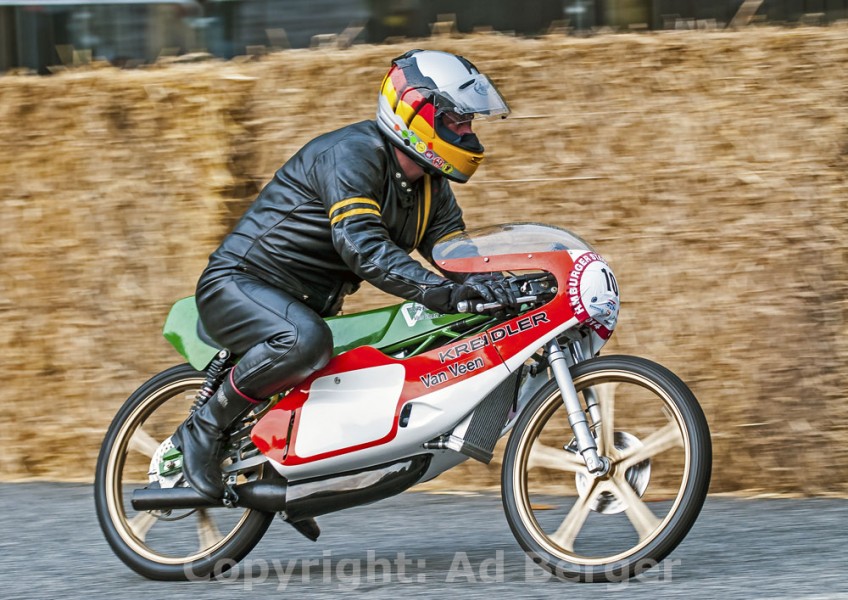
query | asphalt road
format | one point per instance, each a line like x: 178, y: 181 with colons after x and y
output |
x: 429, y: 546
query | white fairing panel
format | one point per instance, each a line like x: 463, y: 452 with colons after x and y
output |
x: 431, y: 415
x: 348, y: 409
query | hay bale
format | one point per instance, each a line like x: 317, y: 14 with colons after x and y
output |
x: 709, y: 167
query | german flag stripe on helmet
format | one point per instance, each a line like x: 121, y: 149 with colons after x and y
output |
x: 389, y: 92
x: 411, y: 102
x: 405, y: 100
x: 351, y: 207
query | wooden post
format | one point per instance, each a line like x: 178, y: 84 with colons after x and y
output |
x: 745, y: 13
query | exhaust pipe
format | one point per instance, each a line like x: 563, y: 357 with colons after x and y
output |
x: 176, y: 498
x: 266, y: 495
x: 301, y: 499
x: 314, y: 497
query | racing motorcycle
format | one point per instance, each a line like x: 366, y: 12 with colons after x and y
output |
x: 605, y: 470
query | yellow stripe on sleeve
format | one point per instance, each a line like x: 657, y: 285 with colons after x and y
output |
x: 349, y: 201
x: 354, y: 212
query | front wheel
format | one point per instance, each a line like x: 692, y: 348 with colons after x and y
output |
x: 656, y: 439
x: 169, y: 545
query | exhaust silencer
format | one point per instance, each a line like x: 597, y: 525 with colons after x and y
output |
x: 301, y: 499
x: 176, y: 498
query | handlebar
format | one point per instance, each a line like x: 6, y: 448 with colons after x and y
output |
x: 464, y: 306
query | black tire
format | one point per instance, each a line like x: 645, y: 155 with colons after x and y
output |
x: 666, y: 473
x: 154, y: 544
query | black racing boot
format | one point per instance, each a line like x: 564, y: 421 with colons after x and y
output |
x: 201, y: 439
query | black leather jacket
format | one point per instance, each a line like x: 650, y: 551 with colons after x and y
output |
x: 338, y: 212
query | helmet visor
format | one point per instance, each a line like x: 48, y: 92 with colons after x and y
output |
x: 473, y: 96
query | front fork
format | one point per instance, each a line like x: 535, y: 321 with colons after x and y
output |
x: 586, y: 446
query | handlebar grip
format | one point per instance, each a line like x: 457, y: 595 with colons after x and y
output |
x: 464, y: 306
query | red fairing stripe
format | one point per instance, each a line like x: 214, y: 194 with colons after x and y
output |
x: 575, y: 277
x: 599, y: 329
x: 432, y: 370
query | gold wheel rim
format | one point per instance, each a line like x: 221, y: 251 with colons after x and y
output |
x: 114, y: 477
x: 537, y: 423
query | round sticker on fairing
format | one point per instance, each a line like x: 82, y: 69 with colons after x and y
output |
x: 593, y: 292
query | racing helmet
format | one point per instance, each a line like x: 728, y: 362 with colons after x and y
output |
x: 420, y: 91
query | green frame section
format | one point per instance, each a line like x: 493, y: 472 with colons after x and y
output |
x: 390, y: 329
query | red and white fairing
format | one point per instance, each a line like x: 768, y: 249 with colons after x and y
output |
x: 347, y: 415
x: 593, y: 293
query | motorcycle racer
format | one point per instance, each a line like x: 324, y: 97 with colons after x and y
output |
x: 351, y: 205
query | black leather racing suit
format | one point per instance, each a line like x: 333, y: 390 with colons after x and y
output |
x: 338, y: 212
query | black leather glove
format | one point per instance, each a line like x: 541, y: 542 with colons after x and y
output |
x: 478, y: 288
x: 492, y: 287
x: 440, y: 298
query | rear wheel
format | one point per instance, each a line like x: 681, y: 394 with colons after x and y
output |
x: 655, y: 436
x: 169, y: 545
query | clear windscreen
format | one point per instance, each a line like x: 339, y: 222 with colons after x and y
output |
x: 512, y: 238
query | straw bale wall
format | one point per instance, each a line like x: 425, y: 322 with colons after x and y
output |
x: 709, y: 167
